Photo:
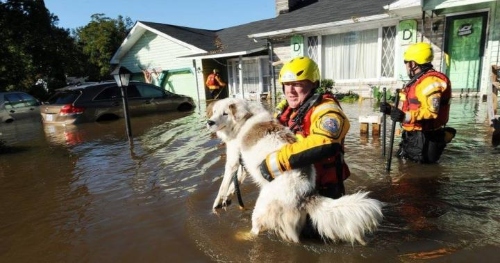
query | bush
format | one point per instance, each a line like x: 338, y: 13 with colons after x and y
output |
x: 325, y: 86
x: 378, y: 94
x: 347, y: 97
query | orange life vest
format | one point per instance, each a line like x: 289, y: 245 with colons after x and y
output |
x: 412, y: 103
x: 211, y: 81
x: 326, y: 169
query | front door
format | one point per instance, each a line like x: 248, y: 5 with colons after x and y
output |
x: 464, y: 45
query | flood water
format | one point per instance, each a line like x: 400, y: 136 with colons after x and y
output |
x: 87, y: 194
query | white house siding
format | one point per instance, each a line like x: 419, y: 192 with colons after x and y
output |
x: 493, y: 43
x: 281, y: 54
x: 425, y: 33
x: 153, y: 51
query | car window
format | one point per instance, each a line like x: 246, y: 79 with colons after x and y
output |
x: 150, y: 92
x: 14, y: 101
x: 109, y: 93
x: 28, y: 99
x: 64, y: 97
x: 132, y: 92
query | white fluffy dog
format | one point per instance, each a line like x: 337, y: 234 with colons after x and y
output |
x: 251, y: 132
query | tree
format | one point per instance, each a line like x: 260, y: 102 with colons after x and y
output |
x: 100, y: 39
x: 32, y: 47
x: 34, y: 51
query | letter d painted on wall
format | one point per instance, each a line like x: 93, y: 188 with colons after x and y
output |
x: 297, y: 46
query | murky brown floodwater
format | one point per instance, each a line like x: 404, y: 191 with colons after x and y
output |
x: 86, y: 194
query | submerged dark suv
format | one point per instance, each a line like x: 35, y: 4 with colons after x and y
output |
x: 91, y: 102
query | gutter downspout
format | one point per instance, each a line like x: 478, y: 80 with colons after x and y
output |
x: 423, y: 27
x: 240, y: 75
x: 197, y: 84
x: 270, y: 51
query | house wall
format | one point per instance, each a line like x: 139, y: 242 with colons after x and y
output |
x: 281, y: 54
x: 154, y: 51
x: 493, y: 44
x: 430, y: 29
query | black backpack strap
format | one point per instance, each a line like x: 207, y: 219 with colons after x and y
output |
x: 340, y: 172
x: 314, y: 99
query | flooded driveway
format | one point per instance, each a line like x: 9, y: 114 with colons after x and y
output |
x: 87, y: 194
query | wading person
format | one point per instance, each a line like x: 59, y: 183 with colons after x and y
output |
x: 425, y: 108
x: 215, y: 84
x: 319, y: 124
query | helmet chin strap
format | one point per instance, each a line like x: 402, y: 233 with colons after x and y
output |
x: 413, y: 70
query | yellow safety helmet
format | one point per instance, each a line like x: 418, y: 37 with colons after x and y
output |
x: 299, y: 68
x: 421, y: 53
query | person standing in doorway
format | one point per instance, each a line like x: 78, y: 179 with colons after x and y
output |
x: 425, y: 108
x: 215, y: 84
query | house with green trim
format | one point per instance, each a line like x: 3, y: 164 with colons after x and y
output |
x: 358, y: 44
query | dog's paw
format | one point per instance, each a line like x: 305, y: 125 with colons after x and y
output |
x: 245, y: 236
x: 222, y: 204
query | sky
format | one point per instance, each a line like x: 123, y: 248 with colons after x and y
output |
x: 205, y: 14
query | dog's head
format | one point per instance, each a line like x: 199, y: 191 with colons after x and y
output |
x: 226, y: 113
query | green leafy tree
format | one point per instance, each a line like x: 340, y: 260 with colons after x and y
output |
x: 33, y: 48
x: 100, y: 39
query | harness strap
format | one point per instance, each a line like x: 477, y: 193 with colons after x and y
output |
x: 297, y: 120
x: 237, y: 185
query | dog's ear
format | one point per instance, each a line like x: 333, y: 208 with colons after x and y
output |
x: 233, y: 111
x: 238, y: 111
x: 210, y: 109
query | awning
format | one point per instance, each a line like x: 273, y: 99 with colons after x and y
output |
x: 178, y: 71
x: 442, y: 4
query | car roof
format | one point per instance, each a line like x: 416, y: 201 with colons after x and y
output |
x: 84, y: 85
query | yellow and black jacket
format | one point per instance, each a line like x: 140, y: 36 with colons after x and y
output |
x: 320, y: 133
x: 426, y: 102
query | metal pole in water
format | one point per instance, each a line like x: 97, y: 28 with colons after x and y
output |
x: 384, y: 123
x: 393, y: 130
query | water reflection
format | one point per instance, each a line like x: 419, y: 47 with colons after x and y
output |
x: 85, y: 193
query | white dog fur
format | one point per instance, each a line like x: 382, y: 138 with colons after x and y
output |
x: 282, y: 205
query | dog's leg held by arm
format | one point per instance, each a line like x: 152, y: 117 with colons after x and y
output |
x: 226, y: 188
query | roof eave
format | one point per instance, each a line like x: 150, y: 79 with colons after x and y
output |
x: 136, y: 33
x: 223, y: 55
x: 128, y: 42
x: 319, y: 27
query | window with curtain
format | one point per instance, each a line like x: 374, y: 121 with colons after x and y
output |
x: 351, y: 55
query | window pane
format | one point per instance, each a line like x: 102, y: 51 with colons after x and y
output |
x: 312, y: 47
x: 14, y: 100
x: 388, y: 51
x: 109, y: 94
x: 28, y: 99
x: 149, y: 92
x: 351, y: 55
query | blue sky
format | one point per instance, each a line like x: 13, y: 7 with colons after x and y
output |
x: 204, y: 14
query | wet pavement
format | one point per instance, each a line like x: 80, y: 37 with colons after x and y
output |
x: 88, y: 194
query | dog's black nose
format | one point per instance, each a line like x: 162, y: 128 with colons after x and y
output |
x: 210, y: 122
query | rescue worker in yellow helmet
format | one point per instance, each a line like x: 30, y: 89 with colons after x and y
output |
x: 319, y: 124
x: 425, y: 108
